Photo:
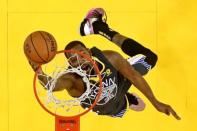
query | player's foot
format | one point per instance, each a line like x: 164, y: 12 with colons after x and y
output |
x: 94, y: 18
x: 140, y: 106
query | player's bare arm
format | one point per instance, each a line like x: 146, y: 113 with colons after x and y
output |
x: 138, y: 81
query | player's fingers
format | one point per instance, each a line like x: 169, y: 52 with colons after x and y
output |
x: 167, y: 112
x: 174, y: 114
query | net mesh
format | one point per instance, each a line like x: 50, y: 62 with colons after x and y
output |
x: 60, y: 102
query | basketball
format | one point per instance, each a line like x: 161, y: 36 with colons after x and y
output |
x: 40, y: 47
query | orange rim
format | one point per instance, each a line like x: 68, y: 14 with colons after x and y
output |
x: 97, y: 97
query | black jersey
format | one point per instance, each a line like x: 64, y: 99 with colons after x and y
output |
x: 115, y: 86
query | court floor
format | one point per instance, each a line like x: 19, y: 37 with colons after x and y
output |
x: 166, y: 27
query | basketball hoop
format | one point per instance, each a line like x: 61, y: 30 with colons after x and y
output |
x: 62, y: 108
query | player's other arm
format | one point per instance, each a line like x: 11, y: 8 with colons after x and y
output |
x: 61, y: 84
x: 140, y: 83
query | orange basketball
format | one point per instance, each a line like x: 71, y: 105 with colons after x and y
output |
x: 40, y: 47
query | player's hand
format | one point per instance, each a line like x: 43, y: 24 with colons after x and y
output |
x: 35, y: 66
x: 167, y: 109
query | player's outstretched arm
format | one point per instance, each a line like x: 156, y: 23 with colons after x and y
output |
x: 140, y: 83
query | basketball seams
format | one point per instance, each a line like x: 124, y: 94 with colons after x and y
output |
x: 35, y: 49
x: 29, y: 58
x: 53, y: 46
x: 28, y: 55
x: 45, y: 43
x: 40, y: 47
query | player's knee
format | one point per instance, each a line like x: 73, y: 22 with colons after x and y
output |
x: 155, y: 58
x: 151, y: 58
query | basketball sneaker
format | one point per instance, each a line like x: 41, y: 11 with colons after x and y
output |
x: 94, y: 17
x: 95, y: 23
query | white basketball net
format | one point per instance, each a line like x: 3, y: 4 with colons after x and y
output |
x: 88, y: 97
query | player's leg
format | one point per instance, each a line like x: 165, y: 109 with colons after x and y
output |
x: 94, y: 24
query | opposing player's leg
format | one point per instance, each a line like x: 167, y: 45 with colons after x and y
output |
x: 95, y: 24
